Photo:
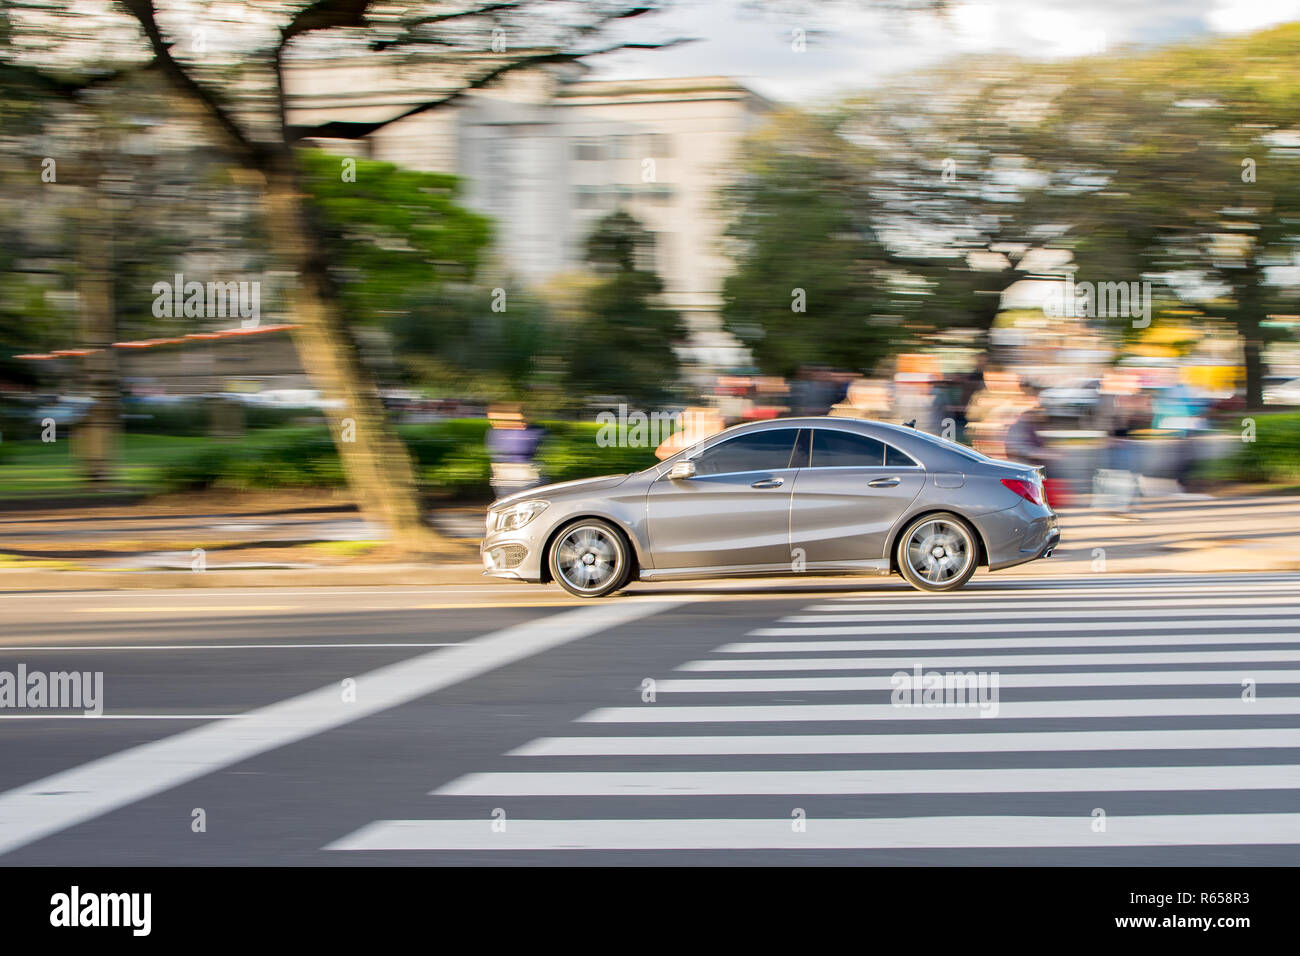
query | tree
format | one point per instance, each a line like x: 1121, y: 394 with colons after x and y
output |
x: 1186, y: 174
x: 243, y: 100
x: 811, y: 284
x: 621, y: 342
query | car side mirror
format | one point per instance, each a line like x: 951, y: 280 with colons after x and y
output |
x: 682, y: 469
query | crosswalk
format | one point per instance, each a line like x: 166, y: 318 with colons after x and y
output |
x: 1139, y: 714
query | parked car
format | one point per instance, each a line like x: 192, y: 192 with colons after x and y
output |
x: 785, y: 496
x: 1283, y: 393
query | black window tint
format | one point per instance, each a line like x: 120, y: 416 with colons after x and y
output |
x: 761, y: 451
x: 896, y: 459
x: 835, y: 449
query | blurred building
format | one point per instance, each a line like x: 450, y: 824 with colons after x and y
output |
x: 546, y: 153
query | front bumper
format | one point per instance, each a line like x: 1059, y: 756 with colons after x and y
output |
x: 514, y: 555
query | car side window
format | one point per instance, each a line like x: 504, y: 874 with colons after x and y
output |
x: 897, y: 459
x: 802, y: 446
x: 759, y: 451
x: 836, y: 449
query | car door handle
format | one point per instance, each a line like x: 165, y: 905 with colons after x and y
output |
x: 882, y: 482
x: 768, y: 483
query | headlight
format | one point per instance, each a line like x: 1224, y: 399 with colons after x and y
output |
x: 516, y: 516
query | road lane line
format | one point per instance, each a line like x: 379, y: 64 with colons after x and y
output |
x: 899, y: 833
x: 211, y: 647
x: 1044, y: 630
x: 1182, y: 612
x: 189, y: 609
x: 819, y: 744
x: 965, y: 780
x: 120, y: 716
x: 845, y: 605
x: 43, y: 807
x: 1004, y: 643
x: 980, y: 658
x: 766, y: 685
x: 1231, y: 706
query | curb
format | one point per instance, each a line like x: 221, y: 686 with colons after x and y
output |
x: 379, y: 575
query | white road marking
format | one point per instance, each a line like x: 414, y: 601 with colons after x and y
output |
x: 1070, y: 740
x: 1231, y: 706
x: 46, y: 806
x: 1001, y: 643
x: 1214, y: 829
x: 214, y: 647
x: 986, y: 660
x: 120, y: 716
x: 823, y: 612
x: 1044, y: 631
x: 824, y: 782
x: 1181, y: 612
x: 762, y: 685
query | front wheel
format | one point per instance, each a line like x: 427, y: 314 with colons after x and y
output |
x: 937, y: 552
x: 590, y: 559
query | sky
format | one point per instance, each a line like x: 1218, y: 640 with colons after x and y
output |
x: 852, y: 45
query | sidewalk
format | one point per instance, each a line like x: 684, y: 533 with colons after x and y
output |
x: 330, y: 546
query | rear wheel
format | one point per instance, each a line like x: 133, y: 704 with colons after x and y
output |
x: 937, y: 552
x: 590, y: 558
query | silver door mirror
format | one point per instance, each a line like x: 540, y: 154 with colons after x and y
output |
x: 682, y: 469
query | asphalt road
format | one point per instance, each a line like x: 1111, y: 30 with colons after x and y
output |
x: 1134, y: 720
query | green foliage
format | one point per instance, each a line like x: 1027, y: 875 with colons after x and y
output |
x: 797, y: 229
x: 451, y: 459
x: 394, y: 234
x: 193, y: 418
x: 620, y: 342
x: 1274, y: 455
x: 279, y: 458
x: 452, y: 342
x: 570, y: 452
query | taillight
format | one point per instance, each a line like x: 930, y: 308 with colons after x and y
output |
x: 1025, y: 489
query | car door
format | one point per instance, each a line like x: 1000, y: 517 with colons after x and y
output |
x: 735, y: 511
x: 849, y: 497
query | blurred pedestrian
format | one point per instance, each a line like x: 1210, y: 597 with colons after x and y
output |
x: 1024, y: 440
x: 992, y: 409
x: 512, y: 447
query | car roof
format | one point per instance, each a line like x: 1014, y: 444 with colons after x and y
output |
x: 815, y: 421
x: 931, y: 451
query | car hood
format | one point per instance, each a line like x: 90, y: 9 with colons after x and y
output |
x: 563, y: 489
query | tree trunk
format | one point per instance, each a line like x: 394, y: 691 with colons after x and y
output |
x: 378, y: 468
x: 1254, y: 368
x: 1249, y: 314
x: 98, y: 438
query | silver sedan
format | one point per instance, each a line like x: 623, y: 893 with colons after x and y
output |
x: 794, y: 495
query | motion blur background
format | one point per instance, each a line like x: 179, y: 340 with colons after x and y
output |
x: 1062, y: 233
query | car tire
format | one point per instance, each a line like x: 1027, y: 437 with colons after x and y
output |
x: 590, y: 558
x: 937, y: 552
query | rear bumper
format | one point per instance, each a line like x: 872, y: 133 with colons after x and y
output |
x: 1053, y: 539
x: 1024, y: 533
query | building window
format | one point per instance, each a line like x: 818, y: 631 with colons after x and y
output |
x: 658, y: 145
x: 587, y: 150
